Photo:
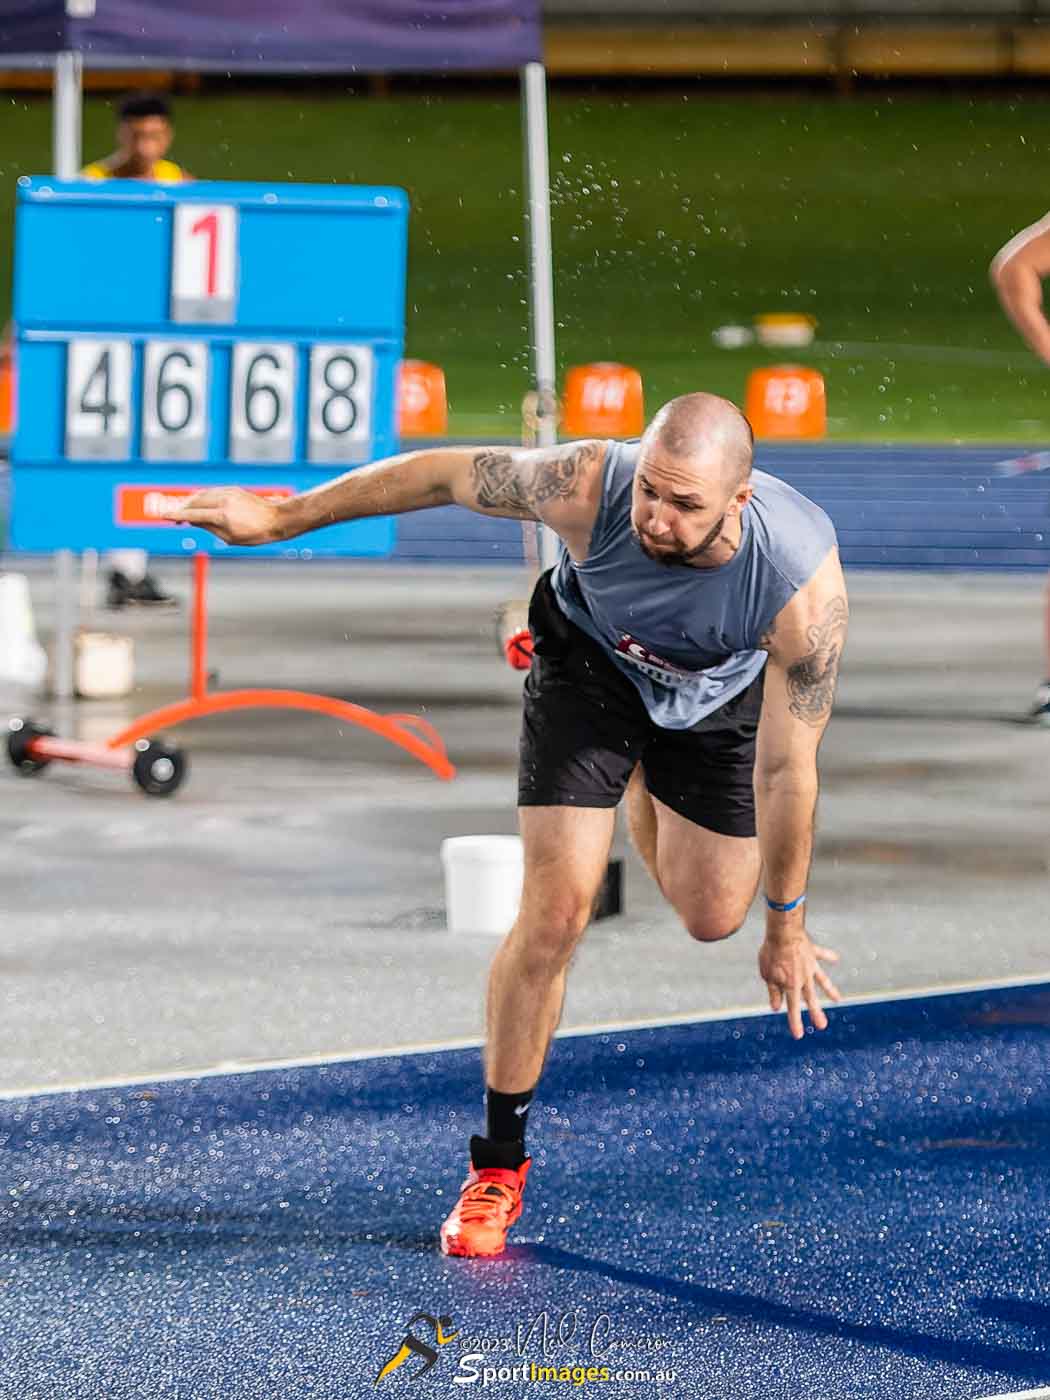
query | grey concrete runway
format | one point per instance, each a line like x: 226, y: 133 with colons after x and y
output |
x: 288, y: 903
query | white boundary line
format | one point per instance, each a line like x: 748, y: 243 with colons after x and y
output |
x: 1043, y: 1394
x: 728, y: 1013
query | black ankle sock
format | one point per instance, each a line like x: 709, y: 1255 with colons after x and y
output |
x: 506, y: 1115
x: 508, y: 1156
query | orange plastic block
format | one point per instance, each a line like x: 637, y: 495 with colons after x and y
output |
x: 422, y: 404
x: 787, y: 401
x: 603, y: 400
x: 7, y: 395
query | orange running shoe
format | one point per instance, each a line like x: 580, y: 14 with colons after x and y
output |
x: 488, y: 1205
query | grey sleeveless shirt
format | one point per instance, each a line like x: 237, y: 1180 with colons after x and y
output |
x: 688, y: 638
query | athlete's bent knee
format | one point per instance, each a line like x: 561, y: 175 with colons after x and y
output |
x: 709, y: 927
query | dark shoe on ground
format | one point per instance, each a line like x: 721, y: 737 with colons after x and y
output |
x: 145, y: 592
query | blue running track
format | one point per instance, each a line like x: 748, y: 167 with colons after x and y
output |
x: 863, y: 1214
x: 894, y: 507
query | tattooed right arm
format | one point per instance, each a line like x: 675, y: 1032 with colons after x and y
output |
x: 559, y: 485
x: 528, y: 484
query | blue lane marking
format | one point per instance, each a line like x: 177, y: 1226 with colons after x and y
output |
x: 894, y: 507
x: 860, y: 1215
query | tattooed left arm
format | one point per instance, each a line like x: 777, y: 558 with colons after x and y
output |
x: 805, y: 646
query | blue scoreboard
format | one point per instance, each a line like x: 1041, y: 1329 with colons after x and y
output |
x: 171, y: 337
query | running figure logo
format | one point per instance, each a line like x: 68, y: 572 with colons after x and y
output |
x: 412, y: 1346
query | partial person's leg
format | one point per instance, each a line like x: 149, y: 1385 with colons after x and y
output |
x: 692, y: 805
x: 641, y: 821
x: 566, y: 852
x: 133, y: 564
x: 130, y: 581
x: 583, y: 728
x: 708, y: 878
x: 1040, y: 711
x: 566, y: 849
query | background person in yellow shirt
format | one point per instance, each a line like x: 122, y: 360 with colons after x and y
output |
x: 145, y: 133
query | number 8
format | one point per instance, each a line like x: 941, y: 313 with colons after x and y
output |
x: 340, y: 393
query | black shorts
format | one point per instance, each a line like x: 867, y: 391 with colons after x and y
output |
x: 585, y: 728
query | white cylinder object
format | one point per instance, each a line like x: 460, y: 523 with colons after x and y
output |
x: 22, y: 658
x: 483, y: 879
x: 104, y: 666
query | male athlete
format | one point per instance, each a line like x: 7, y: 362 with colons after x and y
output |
x: 1017, y: 273
x: 687, y: 645
x: 145, y: 133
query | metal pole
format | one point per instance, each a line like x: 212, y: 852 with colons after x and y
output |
x: 67, y: 116
x: 65, y: 625
x: 541, y: 270
x: 65, y: 138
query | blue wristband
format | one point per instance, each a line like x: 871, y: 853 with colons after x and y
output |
x: 786, y: 908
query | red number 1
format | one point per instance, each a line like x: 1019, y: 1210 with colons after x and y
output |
x: 209, y: 225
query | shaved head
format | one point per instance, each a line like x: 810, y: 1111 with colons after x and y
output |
x: 692, y: 482
x: 702, y: 427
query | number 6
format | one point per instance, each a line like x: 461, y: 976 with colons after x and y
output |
x: 252, y: 390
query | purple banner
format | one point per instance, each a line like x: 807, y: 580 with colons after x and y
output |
x: 342, y: 36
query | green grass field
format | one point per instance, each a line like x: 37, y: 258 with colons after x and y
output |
x: 673, y: 215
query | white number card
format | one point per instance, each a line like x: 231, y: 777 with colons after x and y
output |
x: 340, y: 425
x: 174, y: 401
x: 204, y: 263
x: 98, y: 399
x: 262, y: 403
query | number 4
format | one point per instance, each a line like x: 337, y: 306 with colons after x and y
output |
x: 98, y: 399
x: 103, y: 405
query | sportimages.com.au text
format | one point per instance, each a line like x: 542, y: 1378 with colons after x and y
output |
x: 471, y: 1373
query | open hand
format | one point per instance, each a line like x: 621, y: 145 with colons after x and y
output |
x: 233, y: 514
x: 789, y: 964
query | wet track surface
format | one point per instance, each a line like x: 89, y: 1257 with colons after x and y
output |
x: 863, y: 1214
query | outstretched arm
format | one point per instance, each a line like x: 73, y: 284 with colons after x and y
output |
x: 1017, y: 273
x: 560, y: 486
x: 804, y: 644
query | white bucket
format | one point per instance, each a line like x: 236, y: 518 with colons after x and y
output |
x: 22, y: 658
x: 483, y: 876
x: 104, y: 665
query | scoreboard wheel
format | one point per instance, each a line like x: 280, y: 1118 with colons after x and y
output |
x: 158, y: 768
x: 21, y: 733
